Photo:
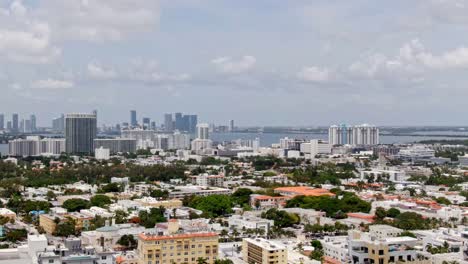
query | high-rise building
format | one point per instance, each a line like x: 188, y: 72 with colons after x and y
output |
x: 133, y: 118
x: 33, y: 123
x: 203, y: 131
x: 116, y: 145
x: 146, y: 122
x: 179, y: 122
x: 58, y: 124
x: 153, y: 125
x: 231, y: 125
x: 192, y: 123
x: 2, y: 122
x: 80, y: 132
x: 9, y: 126
x: 14, y: 123
x: 357, y: 135
x: 168, y: 123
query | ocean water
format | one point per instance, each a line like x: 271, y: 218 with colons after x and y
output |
x: 266, y: 139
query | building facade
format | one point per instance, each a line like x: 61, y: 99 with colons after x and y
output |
x: 80, y: 132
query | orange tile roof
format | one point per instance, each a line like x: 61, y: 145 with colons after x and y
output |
x: 145, y: 237
x: 330, y: 260
x: 363, y: 216
x: 267, y: 197
x: 307, y: 191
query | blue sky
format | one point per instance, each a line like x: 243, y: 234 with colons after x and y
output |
x: 263, y: 62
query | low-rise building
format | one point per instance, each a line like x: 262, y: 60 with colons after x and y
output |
x: 177, y: 248
x: 263, y: 251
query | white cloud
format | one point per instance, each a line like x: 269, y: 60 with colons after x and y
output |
x: 52, y: 84
x: 314, y: 74
x: 24, y: 39
x: 96, y: 71
x: 232, y: 66
x: 149, y: 71
x: 412, y: 58
x: 92, y: 20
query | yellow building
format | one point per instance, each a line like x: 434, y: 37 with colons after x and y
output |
x: 153, y: 202
x: 82, y: 222
x: 49, y: 222
x: 177, y: 248
x: 262, y: 251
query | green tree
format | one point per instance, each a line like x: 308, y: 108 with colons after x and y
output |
x: 393, y: 212
x: 149, y: 220
x: 75, y: 204
x: 242, y: 196
x: 127, y: 241
x: 213, y: 205
x: 100, y: 200
x: 65, y: 229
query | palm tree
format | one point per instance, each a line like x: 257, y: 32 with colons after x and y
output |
x: 201, y: 260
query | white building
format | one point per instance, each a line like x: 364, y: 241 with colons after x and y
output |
x: 249, y: 222
x: 203, y: 131
x: 358, y: 135
x: 208, y: 180
x: 102, y: 153
x: 315, y: 147
x: 393, y: 175
x: 35, y: 146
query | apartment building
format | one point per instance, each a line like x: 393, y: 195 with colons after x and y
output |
x: 177, y: 248
x: 262, y: 251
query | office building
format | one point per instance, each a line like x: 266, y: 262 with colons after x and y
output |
x: 9, y: 126
x: 366, y: 135
x: 192, y: 123
x: 133, y: 118
x: 315, y: 147
x: 80, y: 132
x: 231, y: 125
x: 117, y: 145
x: 33, y: 121
x: 263, y: 251
x: 14, y: 123
x: 203, y: 131
x: 146, y: 123
x: 368, y: 248
x: 179, y: 122
x: 168, y: 123
x: 177, y: 248
x: 58, y: 124
x: 2, y: 122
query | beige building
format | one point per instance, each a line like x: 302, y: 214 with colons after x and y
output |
x: 49, y: 222
x: 153, y: 202
x: 262, y: 251
x: 177, y: 248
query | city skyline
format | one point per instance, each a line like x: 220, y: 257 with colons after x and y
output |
x: 322, y: 62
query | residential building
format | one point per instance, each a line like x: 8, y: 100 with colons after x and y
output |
x: 263, y: 251
x: 117, y: 145
x: 358, y: 135
x: 249, y: 222
x: 208, y: 180
x: 80, y: 132
x: 303, y: 190
x: 177, y: 248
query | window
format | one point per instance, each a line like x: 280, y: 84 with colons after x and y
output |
x: 104, y: 257
x: 51, y: 261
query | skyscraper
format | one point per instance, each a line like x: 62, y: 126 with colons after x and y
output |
x: 179, y: 122
x: 14, y: 123
x: 203, y: 131
x: 133, y: 118
x: 58, y: 124
x: 146, y: 122
x: 357, y: 135
x: 231, y: 125
x: 168, y: 123
x: 2, y: 122
x: 193, y: 121
x: 33, y: 123
x: 80, y: 132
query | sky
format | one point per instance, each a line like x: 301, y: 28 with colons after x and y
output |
x: 262, y: 62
